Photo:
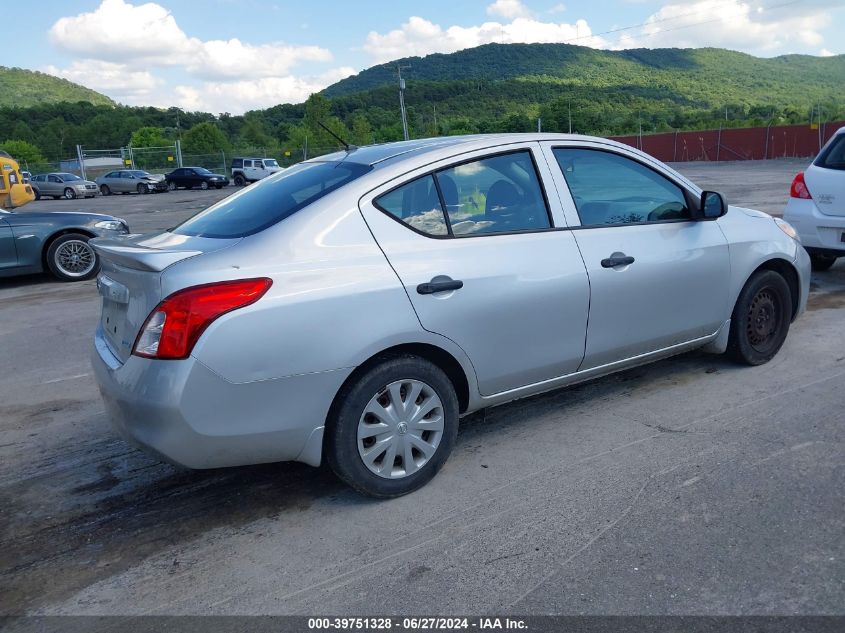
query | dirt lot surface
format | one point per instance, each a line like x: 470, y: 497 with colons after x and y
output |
x: 690, y: 486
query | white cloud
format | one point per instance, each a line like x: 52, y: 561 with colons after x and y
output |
x: 237, y: 97
x: 734, y: 24
x: 147, y: 34
x: 558, y: 8
x: 135, y: 87
x: 509, y: 9
x: 826, y: 53
x: 419, y: 36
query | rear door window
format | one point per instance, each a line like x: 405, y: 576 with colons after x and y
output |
x: 416, y: 204
x: 271, y: 200
x: 834, y: 156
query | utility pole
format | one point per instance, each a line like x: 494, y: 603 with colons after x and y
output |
x: 539, y: 125
x: 436, y: 129
x: 570, y: 116
x: 402, y: 100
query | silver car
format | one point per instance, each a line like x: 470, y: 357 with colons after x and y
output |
x: 131, y: 181
x: 63, y: 185
x: 353, y: 307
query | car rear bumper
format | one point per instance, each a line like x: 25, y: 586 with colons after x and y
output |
x: 816, y: 230
x: 187, y: 414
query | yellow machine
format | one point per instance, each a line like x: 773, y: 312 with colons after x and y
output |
x: 13, y: 191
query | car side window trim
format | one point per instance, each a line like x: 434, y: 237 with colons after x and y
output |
x: 450, y: 235
x: 692, y: 202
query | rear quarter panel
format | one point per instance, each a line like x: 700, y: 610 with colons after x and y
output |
x: 335, y: 300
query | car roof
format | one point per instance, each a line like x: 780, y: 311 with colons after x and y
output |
x: 389, y: 152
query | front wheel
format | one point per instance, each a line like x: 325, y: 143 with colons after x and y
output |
x: 393, y: 427
x: 71, y: 258
x: 822, y: 262
x: 760, y: 320
x: 69, y: 194
x: 142, y: 188
x: 37, y: 194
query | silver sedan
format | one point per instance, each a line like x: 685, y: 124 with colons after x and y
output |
x: 353, y: 307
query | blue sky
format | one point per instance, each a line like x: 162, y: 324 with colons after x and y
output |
x: 236, y: 55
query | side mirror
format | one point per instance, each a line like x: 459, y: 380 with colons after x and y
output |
x: 713, y: 205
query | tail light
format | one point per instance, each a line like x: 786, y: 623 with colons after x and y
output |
x: 799, y: 188
x: 173, y: 328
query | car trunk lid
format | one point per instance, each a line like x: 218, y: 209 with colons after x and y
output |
x: 130, y: 280
x: 825, y: 178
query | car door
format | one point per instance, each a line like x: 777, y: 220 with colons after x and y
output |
x: 658, y: 278
x: 8, y: 250
x: 475, y: 247
x: 54, y: 186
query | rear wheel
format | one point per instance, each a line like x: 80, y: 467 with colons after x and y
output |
x: 822, y: 262
x: 760, y: 320
x: 240, y: 181
x: 69, y: 194
x: 171, y: 185
x: 393, y: 428
x: 104, y: 190
x: 204, y: 185
x: 71, y: 258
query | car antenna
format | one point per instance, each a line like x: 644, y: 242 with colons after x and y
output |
x: 348, y: 147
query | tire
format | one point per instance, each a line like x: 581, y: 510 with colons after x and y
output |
x: 142, y: 189
x: 760, y: 319
x: 37, y: 193
x: 104, y: 190
x: 204, y: 185
x: 218, y: 186
x: 69, y: 194
x: 822, y: 262
x: 171, y: 186
x: 240, y: 181
x: 63, y: 264
x: 394, y: 377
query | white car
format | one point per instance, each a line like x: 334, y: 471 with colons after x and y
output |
x: 816, y: 206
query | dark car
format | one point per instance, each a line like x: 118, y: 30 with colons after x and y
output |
x: 31, y: 241
x: 190, y: 177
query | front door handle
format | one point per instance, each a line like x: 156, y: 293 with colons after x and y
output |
x: 441, y: 283
x: 617, y: 259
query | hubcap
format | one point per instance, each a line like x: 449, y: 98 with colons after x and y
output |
x: 400, y: 429
x: 75, y: 258
x: 763, y: 319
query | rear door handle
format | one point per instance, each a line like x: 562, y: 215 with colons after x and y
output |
x: 441, y: 283
x: 617, y: 260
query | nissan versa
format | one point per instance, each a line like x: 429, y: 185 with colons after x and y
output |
x: 353, y: 307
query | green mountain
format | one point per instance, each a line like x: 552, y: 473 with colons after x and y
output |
x: 608, y: 91
x: 22, y: 88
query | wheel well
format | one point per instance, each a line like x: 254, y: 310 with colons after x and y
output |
x: 443, y: 359
x: 56, y: 236
x: 786, y: 270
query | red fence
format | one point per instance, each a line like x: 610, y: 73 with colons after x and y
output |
x: 755, y: 143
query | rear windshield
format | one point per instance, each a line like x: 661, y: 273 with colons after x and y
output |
x: 833, y: 157
x: 271, y: 200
